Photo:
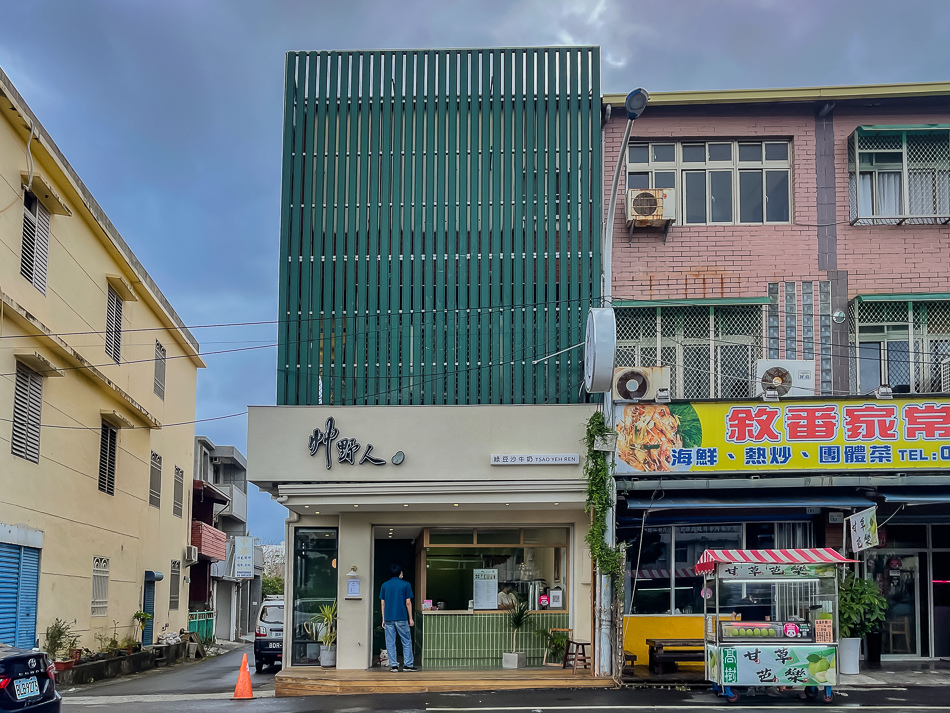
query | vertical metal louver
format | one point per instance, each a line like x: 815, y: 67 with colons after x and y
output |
x: 100, y: 586
x: 155, y: 481
x: 179, y: 495
x: 34, y: 256
x: 107, y: 451
x: 440, y: 225
x: 174, y: 585
x: 159, y: 370
x: 27, y: 412
x: 114, y: 326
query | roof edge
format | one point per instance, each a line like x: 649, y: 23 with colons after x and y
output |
x: 791, y: 94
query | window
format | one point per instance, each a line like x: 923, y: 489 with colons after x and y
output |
x: 711, y: 351
x: 114, y: 326
x: 34, y: 257
x: 159, y: 370
x: 179, y: 494
x: 174, y: 585
x: 314, y: 585
x: 718, y: 181
x: 899, y: 176
x: 155, y: 481
x: 27, y: 409
x: 903, y: 344
x: 100, y: 586
x: 107, y: 446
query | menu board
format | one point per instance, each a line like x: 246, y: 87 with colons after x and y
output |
x: 486, y: 589
x: 824, y: 633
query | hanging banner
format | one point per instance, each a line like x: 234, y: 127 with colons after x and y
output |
x: 244, y: 557
x: 863, y: 529
x: 803, y: 435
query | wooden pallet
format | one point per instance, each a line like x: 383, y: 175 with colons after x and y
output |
x: 318, y: 681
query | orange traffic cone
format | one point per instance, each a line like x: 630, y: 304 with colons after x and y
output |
x: 242, y: 691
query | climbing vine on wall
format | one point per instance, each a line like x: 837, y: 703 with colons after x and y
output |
x: 607, y: 558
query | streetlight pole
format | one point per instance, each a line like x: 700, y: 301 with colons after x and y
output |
x: 634, y: 105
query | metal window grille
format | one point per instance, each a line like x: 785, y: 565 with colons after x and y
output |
x: 27, y: 412
x: 899, y: 177
x: 107, y: 452
x: 34, y: 256
x: 100, y: 586
x: 174, y: 585
x: 711, y: 351
x: 114, y: 326
x: 903, y: 344
x: 159, y: 370
x: 179, y: 494
x: 155, y: 481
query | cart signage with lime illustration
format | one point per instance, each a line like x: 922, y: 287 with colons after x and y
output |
x: 803, y: 435
x: 778, y: 664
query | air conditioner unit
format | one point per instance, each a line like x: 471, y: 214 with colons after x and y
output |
x: 945, y: 376
x: 789, y: 377
x: 191, y: 554
x: 639, y: 383
x: 650, y: 207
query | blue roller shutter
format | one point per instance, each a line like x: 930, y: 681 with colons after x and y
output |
x: 19, y: 585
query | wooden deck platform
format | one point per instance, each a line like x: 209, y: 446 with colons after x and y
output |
x: 319, y: 681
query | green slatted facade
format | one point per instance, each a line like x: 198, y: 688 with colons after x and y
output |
x: 440, y: 225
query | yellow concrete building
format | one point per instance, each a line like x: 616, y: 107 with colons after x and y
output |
x: 95, y: 515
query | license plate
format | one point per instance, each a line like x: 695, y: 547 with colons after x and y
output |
x: 275, y: 644
x: 26, y: 688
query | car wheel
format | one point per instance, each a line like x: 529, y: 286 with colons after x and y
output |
x: 258, y: 665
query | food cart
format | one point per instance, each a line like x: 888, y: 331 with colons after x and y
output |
x: 771, y: 620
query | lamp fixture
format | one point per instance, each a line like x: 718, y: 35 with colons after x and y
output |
x: 635, y: 103
x: 770, y: 394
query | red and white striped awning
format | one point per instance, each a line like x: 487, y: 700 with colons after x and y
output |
x: 820, y: 555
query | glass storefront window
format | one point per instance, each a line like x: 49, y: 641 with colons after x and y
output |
x: 691, y: 542
x: 315, y: 584
x: 463, y: 536
x: 651, y: 593
x: 498, y: 537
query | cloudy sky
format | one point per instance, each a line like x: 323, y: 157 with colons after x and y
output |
x: 170, y: 111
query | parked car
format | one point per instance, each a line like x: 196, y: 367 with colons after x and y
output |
x: 269, y: 633
x: 27, y: 681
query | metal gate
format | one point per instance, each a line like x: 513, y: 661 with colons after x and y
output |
x: 19, y: 587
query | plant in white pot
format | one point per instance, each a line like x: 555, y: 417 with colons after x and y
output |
x: 327, y: 620
x: 519, y: 617
x: 861, y: 609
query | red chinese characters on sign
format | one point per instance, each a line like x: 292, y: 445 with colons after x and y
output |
x: 870, y: 422
x: 928, y: 421
x: 811, y: 423
x: 752, y: 424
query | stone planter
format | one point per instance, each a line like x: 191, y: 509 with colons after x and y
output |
x: 517, y: 660
x: 328, y: 656
x: 849, y: 656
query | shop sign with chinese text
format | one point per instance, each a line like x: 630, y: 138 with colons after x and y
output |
x: 773, y: 571
x: 777, y: 665
x: 804, y: 435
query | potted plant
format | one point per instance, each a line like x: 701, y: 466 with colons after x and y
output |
x: 312, y: 629
x: 555, y: 643
x: 327, y: 621
x: 519, y: 617
x: 141, y: 618
x: 60, y: 639
x: 861, y: 610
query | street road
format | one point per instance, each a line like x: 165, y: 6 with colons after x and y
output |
x: 914, y: 699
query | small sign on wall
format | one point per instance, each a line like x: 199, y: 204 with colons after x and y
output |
x: 535, y: 458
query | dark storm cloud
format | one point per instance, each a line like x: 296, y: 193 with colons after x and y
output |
x: 171, y: 112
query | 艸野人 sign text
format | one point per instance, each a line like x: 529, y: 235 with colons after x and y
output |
x: 794, y: 436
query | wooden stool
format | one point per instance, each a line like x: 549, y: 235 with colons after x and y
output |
x: 576, y: 652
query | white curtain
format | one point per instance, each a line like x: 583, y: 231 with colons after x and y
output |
x: 920, y: 192
x: 865, y: 195
x: 889, y: 193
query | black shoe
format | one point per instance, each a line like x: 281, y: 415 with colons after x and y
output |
x: 409, y: 668
x: 394, y: 669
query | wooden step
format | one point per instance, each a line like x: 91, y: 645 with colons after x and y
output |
x: 318, y: 681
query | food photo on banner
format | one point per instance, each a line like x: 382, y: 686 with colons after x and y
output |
x: 722, y: 437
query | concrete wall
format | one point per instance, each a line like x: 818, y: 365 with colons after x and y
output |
x: 59, y: 495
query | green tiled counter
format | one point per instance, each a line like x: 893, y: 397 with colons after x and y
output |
x: 478, y: 639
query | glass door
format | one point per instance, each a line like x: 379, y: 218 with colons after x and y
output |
x: 897, y: 573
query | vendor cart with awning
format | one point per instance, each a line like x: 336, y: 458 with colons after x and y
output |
x: 771, y: 620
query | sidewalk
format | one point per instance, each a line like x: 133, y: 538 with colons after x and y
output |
x: 900, y: 674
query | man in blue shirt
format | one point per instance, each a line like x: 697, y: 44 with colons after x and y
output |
x: 396, y: 606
